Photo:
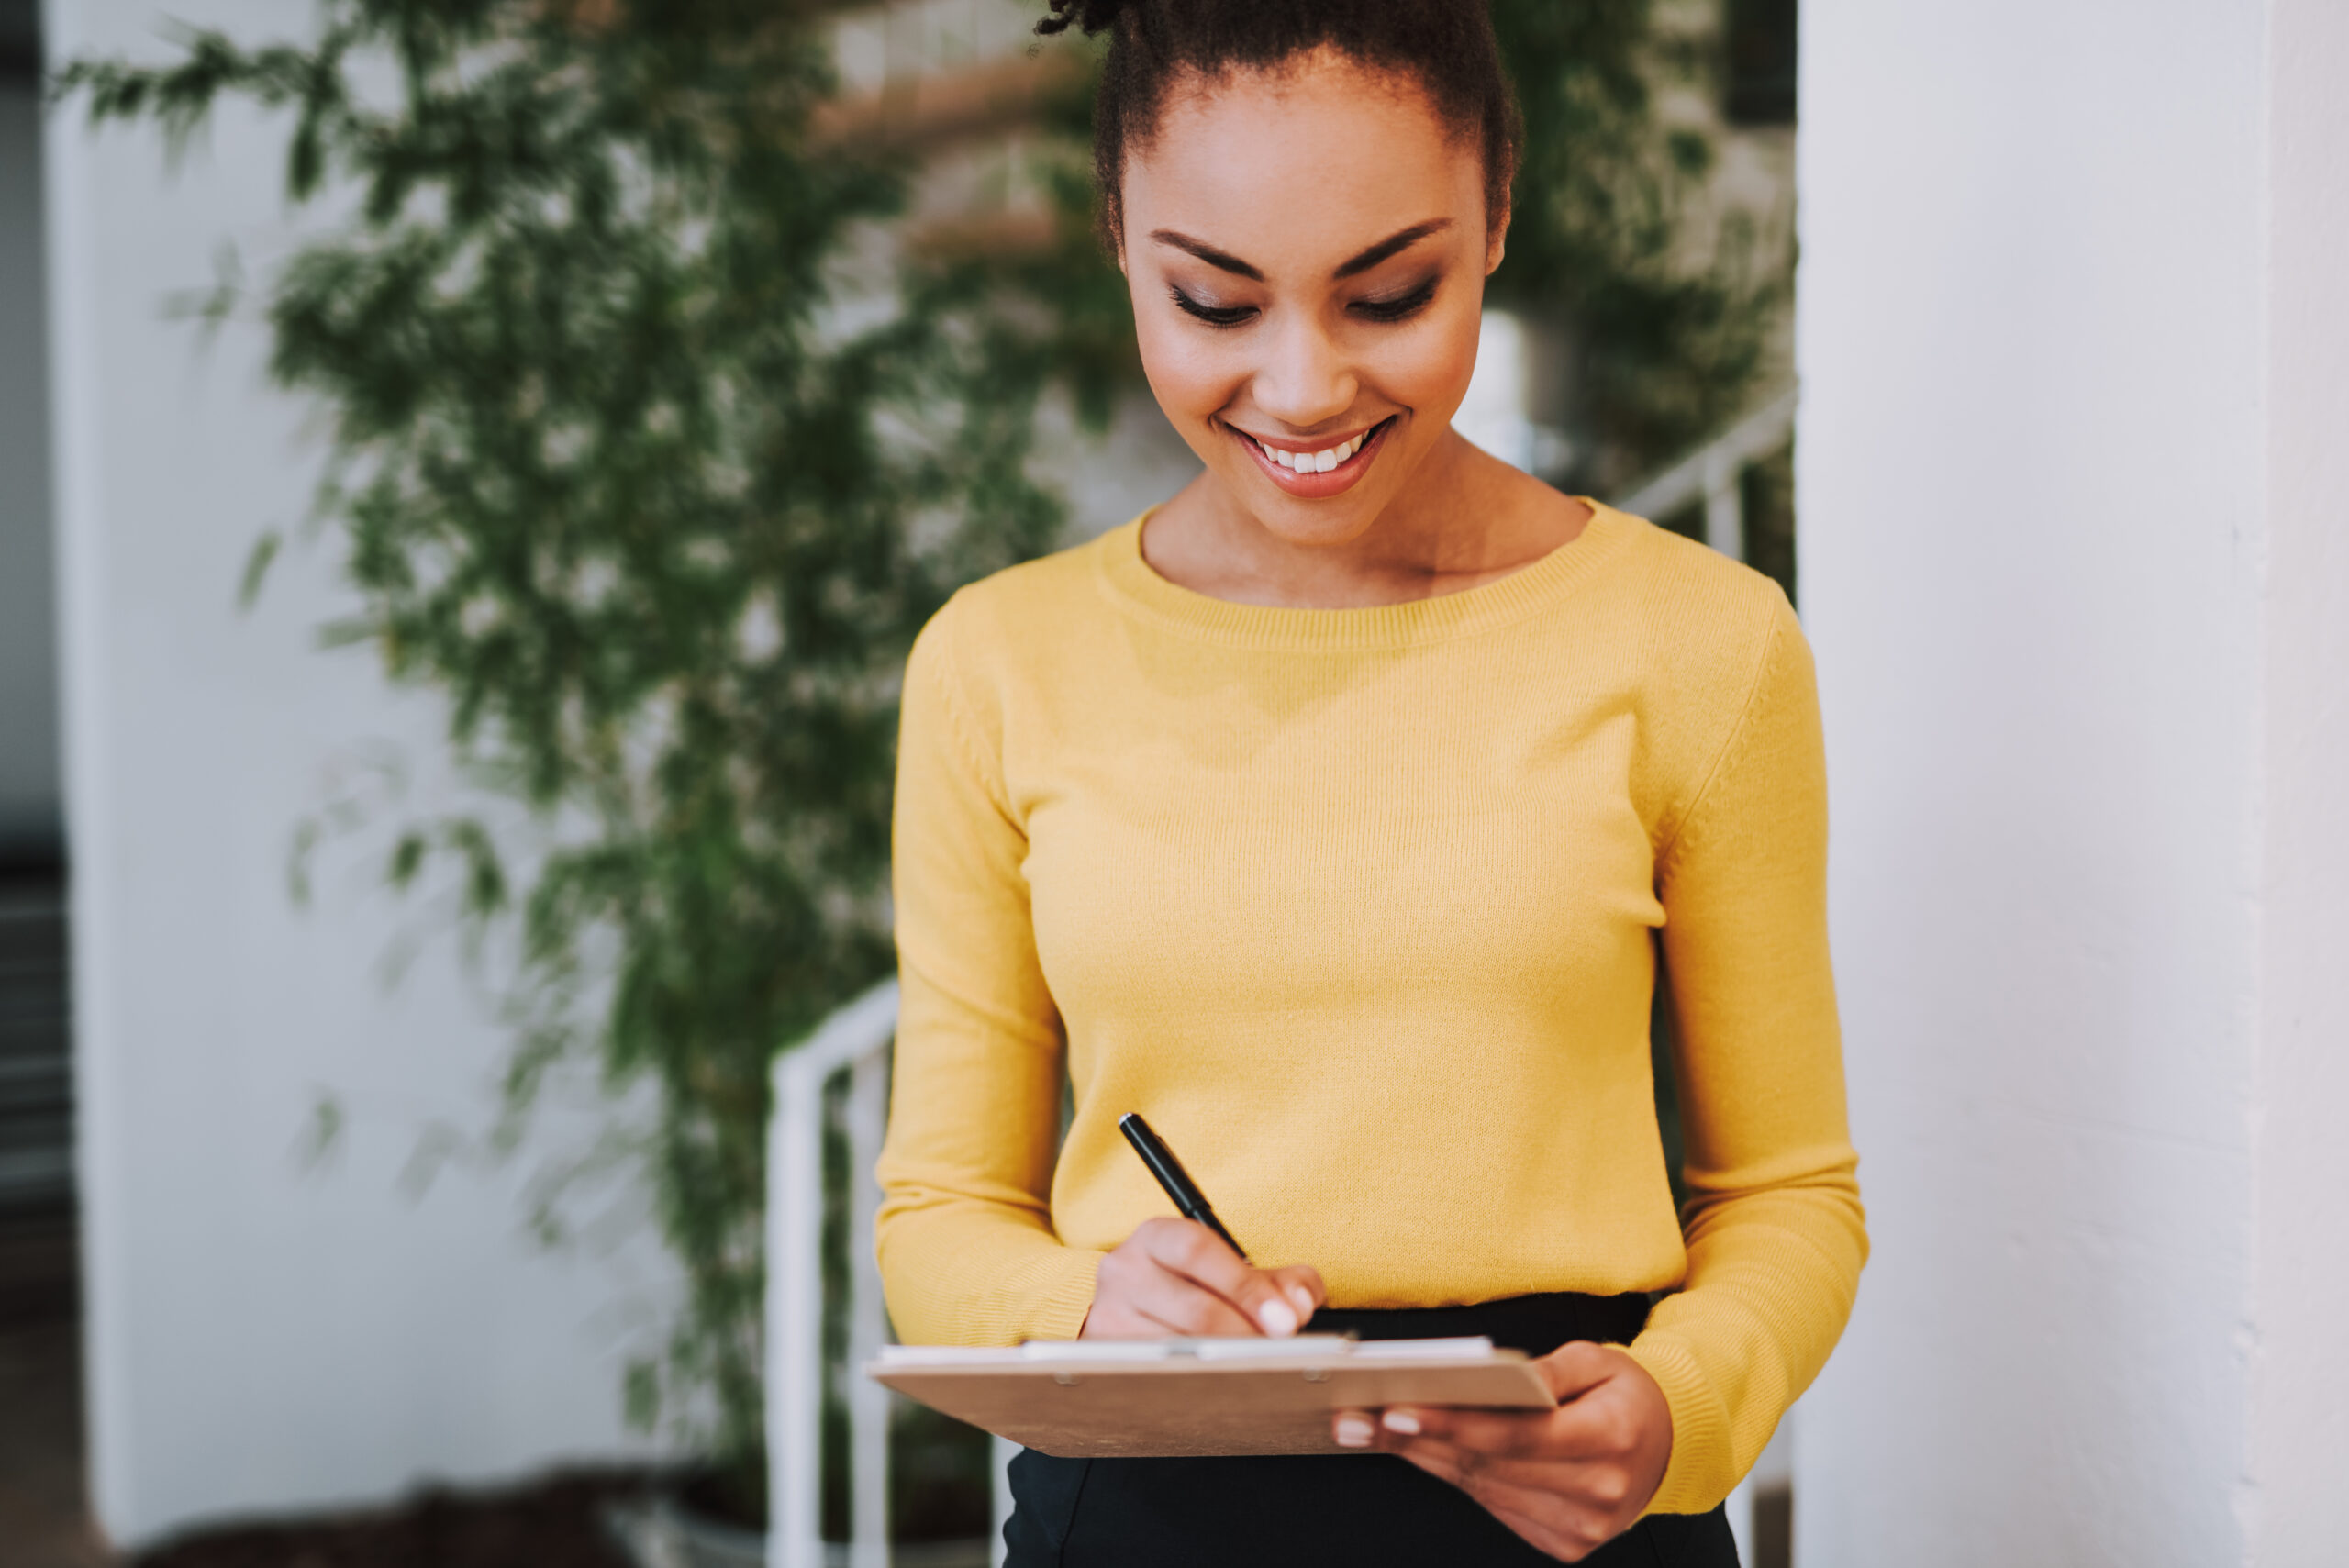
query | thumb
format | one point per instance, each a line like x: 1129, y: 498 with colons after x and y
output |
x: 1301, y: 1285
x: 1263, y: 1301
x: 1573, y: 1369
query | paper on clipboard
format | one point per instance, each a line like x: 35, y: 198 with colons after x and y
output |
x: 1164, y: 1398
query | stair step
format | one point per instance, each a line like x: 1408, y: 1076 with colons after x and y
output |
x: 36, y: 1045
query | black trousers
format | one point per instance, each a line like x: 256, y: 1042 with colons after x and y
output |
x: 1359, y: 1510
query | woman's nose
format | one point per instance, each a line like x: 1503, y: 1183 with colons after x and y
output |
x: 1305, y: 380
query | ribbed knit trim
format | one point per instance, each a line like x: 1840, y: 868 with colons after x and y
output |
x: 1700, y: 1445
x: 1130, y: 582
x: 1069, y: 1300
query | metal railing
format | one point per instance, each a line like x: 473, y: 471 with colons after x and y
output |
x: 855, y: 1041
x: 36, y: 1058
x: 1711, y: 475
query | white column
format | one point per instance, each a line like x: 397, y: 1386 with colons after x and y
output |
x: 2071, y: 480
x: 2296, y: 1491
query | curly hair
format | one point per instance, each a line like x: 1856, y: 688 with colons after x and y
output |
x: 1446, y: 47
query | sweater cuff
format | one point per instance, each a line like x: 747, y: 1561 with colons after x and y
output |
x: 1700, y: 1443
x: 1066, y: 1299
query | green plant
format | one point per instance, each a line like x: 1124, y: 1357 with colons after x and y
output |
x: 648, y: 458
x: 1670, y: 322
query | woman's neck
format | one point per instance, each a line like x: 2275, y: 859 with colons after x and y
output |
x: 1465, y: 518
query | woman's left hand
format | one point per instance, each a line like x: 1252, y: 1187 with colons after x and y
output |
x: 1567, y: 1480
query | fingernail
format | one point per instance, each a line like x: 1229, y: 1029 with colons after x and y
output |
x: 1353, y: 1432
x: 1278, y: 1318
x: 1401, y: 1421
x: 1303, y: 1299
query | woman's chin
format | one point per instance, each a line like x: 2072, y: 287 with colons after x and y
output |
x: 1313, y: 525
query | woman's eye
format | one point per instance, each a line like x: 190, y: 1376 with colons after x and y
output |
x: 1398, y: 307
x: 1213, y: 315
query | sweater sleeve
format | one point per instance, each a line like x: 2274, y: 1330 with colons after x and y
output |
x: 967, y: 1251
x: 1773, y: 1220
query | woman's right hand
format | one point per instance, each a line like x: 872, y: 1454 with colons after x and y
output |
x: 1177, y: 1277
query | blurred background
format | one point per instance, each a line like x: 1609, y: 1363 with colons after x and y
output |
x: 469, y: 476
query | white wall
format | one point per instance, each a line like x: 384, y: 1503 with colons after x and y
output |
x: 29, y: 810
x: 2296, y: 1497
x: 263, y: 1336
x: 2072, y: 560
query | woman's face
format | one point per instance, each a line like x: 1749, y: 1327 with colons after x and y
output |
x: 1306, y: 253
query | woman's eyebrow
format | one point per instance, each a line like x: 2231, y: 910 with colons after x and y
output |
x: 1403, y: 240
x: 1206, y: 253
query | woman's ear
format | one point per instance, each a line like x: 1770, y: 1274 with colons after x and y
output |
x: 1495, y: 242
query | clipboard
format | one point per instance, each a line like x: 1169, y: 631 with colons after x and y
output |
x: 1169, y: 1398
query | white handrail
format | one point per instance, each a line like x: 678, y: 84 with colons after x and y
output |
x: 856, y: 1039
x: 1711, y: 473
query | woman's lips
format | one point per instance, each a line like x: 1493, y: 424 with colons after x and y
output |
x: 1320, y: 483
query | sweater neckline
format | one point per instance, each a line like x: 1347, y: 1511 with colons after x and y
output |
x: 1133, y: 583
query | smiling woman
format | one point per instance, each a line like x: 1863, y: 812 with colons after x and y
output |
x: 1334, y: 814
x: 1311, y: 334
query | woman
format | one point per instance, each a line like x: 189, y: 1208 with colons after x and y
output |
x: 1333, y: 815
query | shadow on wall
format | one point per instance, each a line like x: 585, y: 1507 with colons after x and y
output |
x: 30, y: 820
x: 43, y: 1517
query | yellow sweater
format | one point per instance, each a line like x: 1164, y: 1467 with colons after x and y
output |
x: 1363, y: 909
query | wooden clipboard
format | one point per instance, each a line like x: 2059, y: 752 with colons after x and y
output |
x: 1157, y: 1399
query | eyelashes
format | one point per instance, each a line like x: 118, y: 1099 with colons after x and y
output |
x: 1398, y: 308
x: 1213, y: 315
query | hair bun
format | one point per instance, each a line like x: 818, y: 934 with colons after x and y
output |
x: 1088, y: 16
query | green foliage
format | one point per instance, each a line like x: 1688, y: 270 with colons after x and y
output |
x: 644, y: 461
x: 1669, y: 333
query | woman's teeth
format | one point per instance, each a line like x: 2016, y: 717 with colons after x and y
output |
x: 1316, y: 462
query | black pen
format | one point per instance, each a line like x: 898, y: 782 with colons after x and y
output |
x: 1173, y: 1177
